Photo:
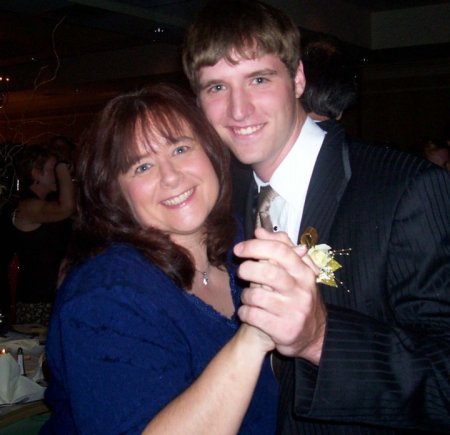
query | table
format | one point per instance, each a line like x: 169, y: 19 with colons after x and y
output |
x: 15, y: 413
x: 15, y: 417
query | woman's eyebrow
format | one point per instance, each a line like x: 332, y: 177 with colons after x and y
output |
x: 177, y: 139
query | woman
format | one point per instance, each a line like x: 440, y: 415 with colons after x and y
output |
x: 144, y: 334
x: 40, y: 230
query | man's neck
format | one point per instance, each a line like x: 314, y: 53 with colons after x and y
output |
x: 264, y: 170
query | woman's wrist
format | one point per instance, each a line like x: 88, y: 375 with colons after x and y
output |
x: 255, y: 339
x: 62, y: 162
x: 62, y: 172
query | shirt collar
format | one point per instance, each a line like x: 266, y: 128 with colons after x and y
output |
x: 292, y: 176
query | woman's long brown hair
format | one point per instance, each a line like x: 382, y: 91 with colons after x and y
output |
x: 110, y: 147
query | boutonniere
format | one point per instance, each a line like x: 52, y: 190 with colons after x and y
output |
x: 323, y: 257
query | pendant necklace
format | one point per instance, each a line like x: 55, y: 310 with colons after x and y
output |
x: 205, y: 275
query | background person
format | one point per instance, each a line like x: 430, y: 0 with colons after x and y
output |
x: 330, y: 87
x: 437, y: 152
x: 144, y: 333
x: 64, y: 147
x: 40, y: 229
x: 374, y: 360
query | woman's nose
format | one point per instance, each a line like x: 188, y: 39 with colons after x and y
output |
x: 170, y: 173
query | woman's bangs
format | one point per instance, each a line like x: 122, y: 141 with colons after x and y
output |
x: 164, y: 123
x: 150, y: 126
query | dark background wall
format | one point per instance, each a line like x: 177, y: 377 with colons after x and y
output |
x: 65, y: 59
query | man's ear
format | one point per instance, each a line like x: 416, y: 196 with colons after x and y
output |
x: 299, y: 81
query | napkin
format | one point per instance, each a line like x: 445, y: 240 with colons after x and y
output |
x: 14, y: 387
x: 30, y: 346
x: 32, y: 352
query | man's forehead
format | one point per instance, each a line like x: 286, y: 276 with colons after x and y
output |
x: 244, y: 64
x: 247, y: 52
x: 234, y: 55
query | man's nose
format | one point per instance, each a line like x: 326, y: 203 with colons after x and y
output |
x: 240, y: 105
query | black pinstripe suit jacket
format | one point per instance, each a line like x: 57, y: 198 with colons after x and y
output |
x: 385, y: 366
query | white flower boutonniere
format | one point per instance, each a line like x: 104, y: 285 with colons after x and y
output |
x: 323, y: 257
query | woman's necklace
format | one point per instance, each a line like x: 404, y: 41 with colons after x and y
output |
x: 205, y: 275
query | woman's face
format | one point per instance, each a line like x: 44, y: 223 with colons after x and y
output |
x: 46, y: 177
x: 172, y: 187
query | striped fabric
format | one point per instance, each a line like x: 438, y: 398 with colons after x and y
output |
x: 385, y: 367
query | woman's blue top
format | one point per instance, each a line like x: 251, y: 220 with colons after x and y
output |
x: 124, y: 341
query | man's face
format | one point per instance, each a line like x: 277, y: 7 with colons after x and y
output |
x: 253, y: 106
x: 441, y: 157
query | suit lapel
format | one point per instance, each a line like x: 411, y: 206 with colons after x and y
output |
x: 329, y: 179
x: 327, y: 185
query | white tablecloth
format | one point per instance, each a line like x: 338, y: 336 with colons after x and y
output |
x: 15, y: 388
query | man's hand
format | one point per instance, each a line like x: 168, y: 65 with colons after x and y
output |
x: 283, y: 300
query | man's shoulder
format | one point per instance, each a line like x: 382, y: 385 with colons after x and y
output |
x: 374, y: 164
x: 381, y: 158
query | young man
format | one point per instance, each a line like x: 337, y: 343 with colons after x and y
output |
x: 375, y: 358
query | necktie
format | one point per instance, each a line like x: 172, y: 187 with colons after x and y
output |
x: 265, y: 198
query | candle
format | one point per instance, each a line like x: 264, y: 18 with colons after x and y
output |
x: 3, y: 351
x: 20, y: 361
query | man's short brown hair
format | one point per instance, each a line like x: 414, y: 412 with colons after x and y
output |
x: 239, y: 29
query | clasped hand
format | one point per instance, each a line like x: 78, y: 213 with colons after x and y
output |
x: 283, y: 299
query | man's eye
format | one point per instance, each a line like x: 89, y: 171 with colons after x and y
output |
x: 260, y: 80
x: 143, y: 168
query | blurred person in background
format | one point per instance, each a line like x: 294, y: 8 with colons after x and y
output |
x: 64, y: 147
x: 437, y: 152
x: 330, y: 86
x: 40, y: 230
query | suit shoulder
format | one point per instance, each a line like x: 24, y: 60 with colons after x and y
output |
x: 384, y: 161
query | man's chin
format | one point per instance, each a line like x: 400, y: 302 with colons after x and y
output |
x: 246, y: 160
x: 244, y: 155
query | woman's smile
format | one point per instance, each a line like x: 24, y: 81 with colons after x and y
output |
x: 180, y: 199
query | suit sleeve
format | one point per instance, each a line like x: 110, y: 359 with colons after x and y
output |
x: 393, y: 373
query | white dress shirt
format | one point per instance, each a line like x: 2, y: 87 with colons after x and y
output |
x: 291, y: 180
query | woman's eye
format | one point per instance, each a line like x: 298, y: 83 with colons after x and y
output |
x: 216, y: 88
x: 180, y: 149
x: 143, y: 168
